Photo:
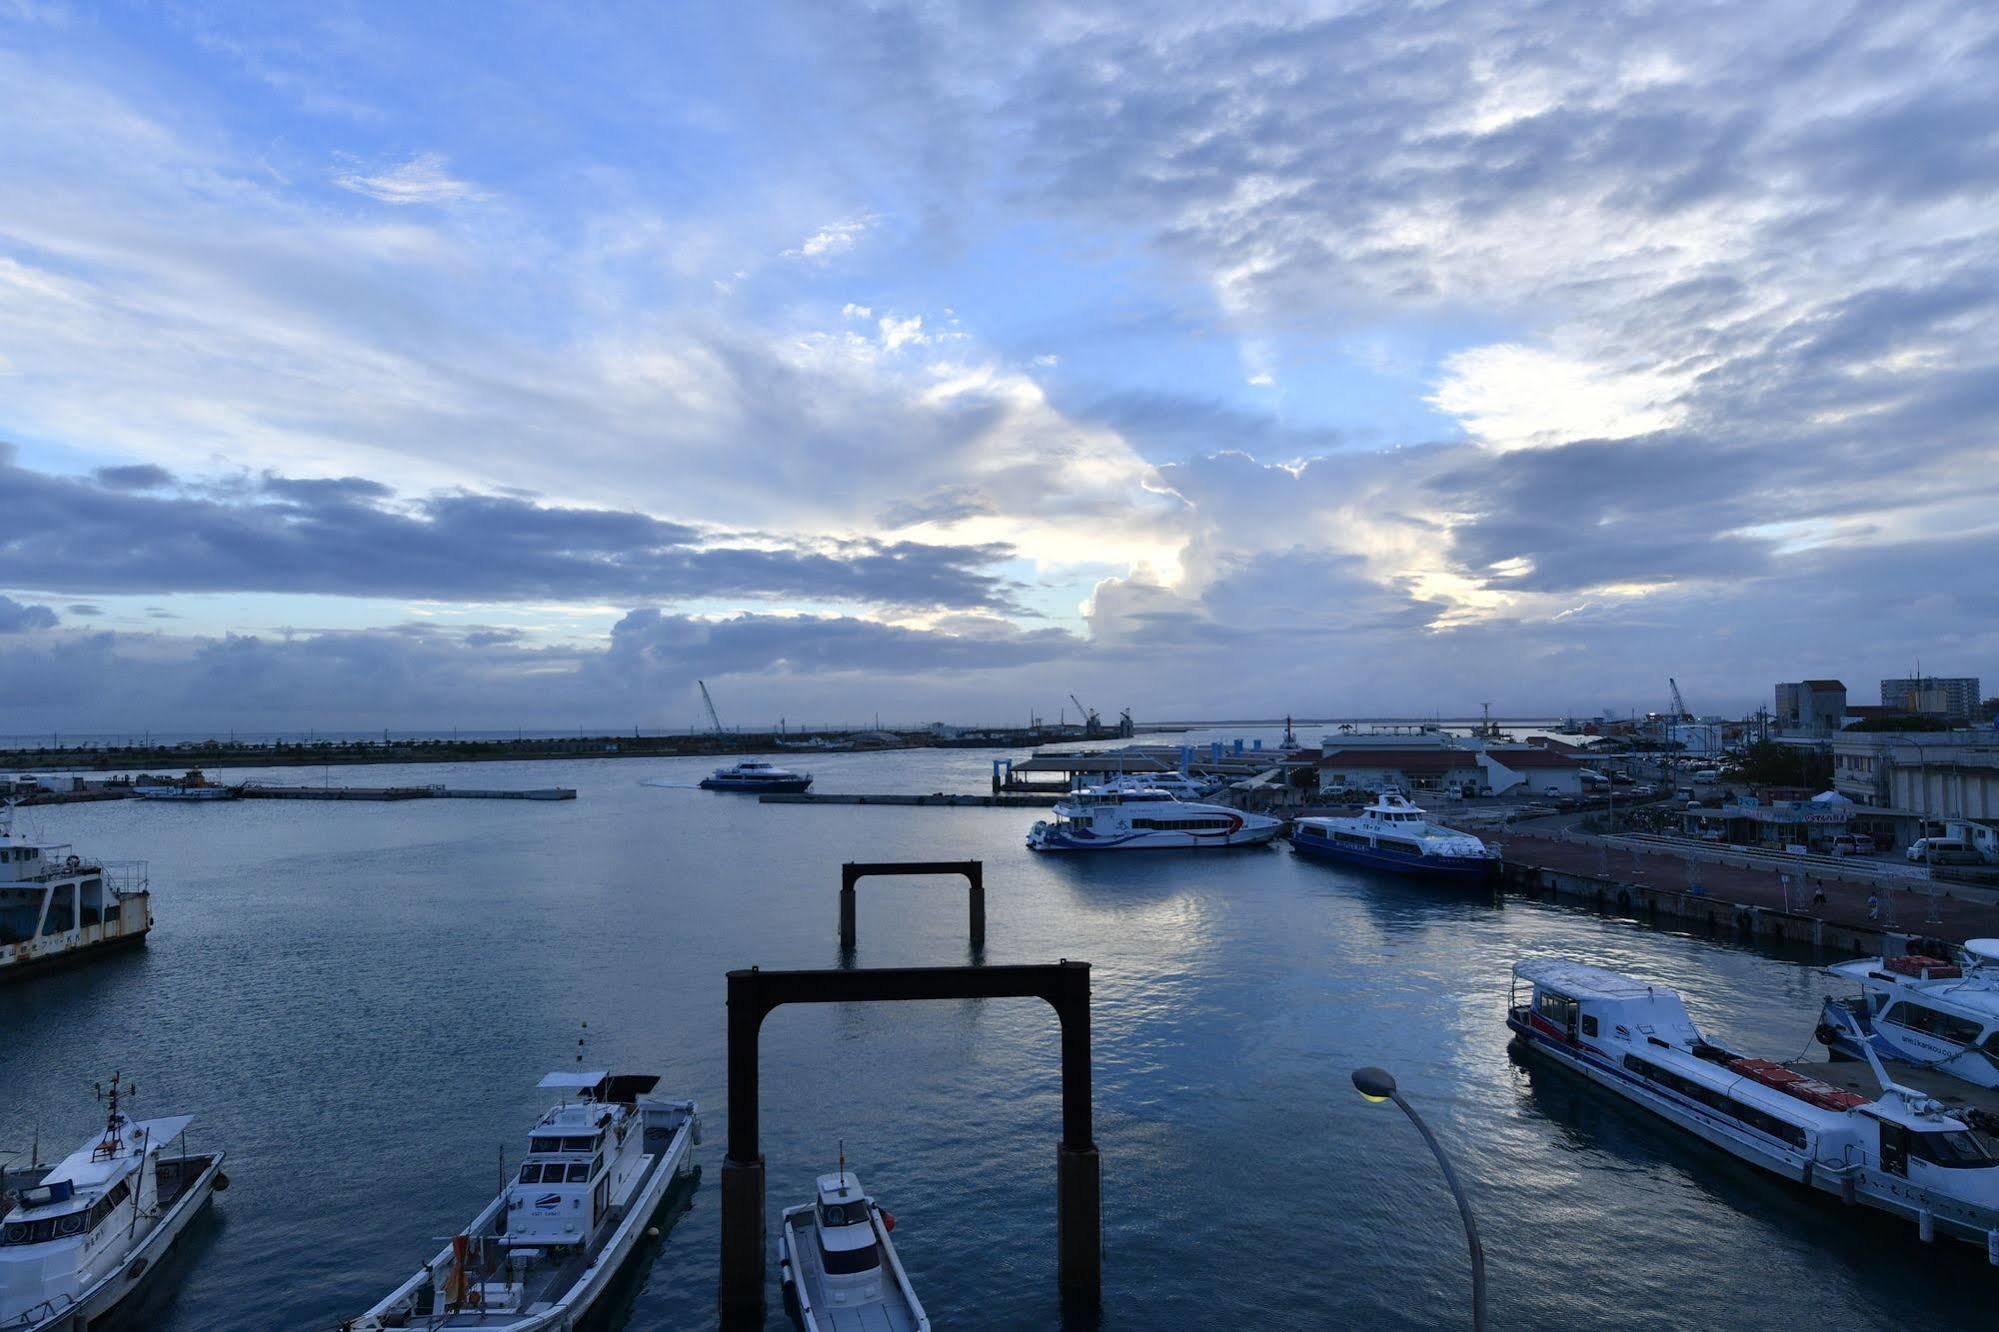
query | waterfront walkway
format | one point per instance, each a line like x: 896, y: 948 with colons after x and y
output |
x: 1908, y: 908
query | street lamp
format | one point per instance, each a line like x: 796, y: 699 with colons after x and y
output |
x: 1377, y: 1085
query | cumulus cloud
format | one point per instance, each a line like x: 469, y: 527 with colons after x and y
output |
x: 19, y: 617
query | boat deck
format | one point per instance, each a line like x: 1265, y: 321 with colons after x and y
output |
x: 893, y: 1314
x: 1855, y: 1076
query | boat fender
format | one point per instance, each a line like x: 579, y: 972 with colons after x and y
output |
x: 888, y: 1218
x: 221, y: 1184
x: 1849, y: 1192
x: 1926, y: 1225
x: 135, y: 1269
x: 652, y: 1232
x: 1992, y: 1247
x: 1826, y: 1035
x: 1807, y: 1180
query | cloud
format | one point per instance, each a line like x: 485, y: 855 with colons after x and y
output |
x: 137, y: 476
x: 837, y: 239
x: 423, y: 179
x: 18, y: 617
x: 85, y: 609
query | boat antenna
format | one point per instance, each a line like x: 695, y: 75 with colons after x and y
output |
x: 843, y: 1165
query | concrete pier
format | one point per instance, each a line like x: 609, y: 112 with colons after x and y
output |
x: 252, y: 792
x: 942, y: 799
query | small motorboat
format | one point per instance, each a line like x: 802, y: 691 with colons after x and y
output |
x: 542, y: 1254
x: 78, y: 1239
x: 758, y: 778
x: 839, y: 1267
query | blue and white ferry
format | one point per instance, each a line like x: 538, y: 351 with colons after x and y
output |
x: 756, y: 777
x: 1393, y: 834
x: 1924, y: 1011
x: 1119, y: 816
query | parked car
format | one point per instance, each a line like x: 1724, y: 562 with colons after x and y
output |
x: 1620, y: 779
x: 1853, y: 844
x: 1941, y: 851
x: 1863, y: 845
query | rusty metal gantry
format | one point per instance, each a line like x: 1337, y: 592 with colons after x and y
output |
x: 1064, y: 986
x: 853, y: 872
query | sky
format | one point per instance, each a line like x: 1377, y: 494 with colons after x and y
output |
x: 519, y: 365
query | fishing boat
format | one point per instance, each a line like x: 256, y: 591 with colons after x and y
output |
x: 193, y: 788
x: 1121, y: 817
x: 1900, y: 1150
x: 57, y: 907
x: 544, y: 1251
x: 1393, y: 834
x: 80, y: 1238
x: 1921, y: 1010
x: 757, y: 777
x: 839, y: 1267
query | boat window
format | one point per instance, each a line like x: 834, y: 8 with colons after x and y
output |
x: 1944, y: 1026
x: 531, y: 1172
x: 1589, y: 1025
x: 579, y: 1172
x: 1760, y: 1120
x: 1953, y: 1148
x: 579, y: 1144
x: 541, y: 1144
x: 844, y: 1262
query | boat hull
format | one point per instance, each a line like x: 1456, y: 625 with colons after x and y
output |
x: 788, y: 786
x: 86, y: 951
x: 1151, y: 840
x: 1452, y: 869
x: 114, y: 1289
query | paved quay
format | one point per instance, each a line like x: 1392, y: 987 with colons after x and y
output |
x: 1662, y: 876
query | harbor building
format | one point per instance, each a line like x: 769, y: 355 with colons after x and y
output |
x: 1952, y: 697
x: 1367, y: 769
x: 1539, y: 770
x: 1811, y: 707
x: 1897, y: 768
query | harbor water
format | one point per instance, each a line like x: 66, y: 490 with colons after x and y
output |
x: 356, y: 1000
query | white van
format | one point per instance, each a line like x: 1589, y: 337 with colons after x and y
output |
x: 1941, y: 851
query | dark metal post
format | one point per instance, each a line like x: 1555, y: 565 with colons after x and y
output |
x: 847, y: 913
x: 977, y: 874
x: 1078, y: 1180
x: 743, y: 1234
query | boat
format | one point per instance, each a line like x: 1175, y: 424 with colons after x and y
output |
x: 1290, y: 744
x: 1122, y: 816
x: 1922, y: 1010
x: 57, y: 907
x: 839, y: 1267
x: 194, y: 787
x: 1394, y: 834
x: 81, y: 1237
x: 544, y: 1251
x: 756, y: 776
x: 1179, y: 785
x: 1900, y: 1151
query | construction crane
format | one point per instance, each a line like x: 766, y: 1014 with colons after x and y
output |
x: 1680, y: 712
x: 1091, y: 721
x: 714, y: 718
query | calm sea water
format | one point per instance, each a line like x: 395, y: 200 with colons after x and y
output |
x: 357, y: 1000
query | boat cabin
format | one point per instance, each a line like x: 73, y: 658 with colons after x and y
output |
x: 846, y: 1230
x: 580, y: 1156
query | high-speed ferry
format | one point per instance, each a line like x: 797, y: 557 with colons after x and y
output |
x: 1119, y: 817
x: 1933, y: 1012
x: 1901, y: 1151
x: 79, y: 1239
x: 1393, y: 834
x: 758, y: 778
x: 839, y: 1267
x: 542, y: 1254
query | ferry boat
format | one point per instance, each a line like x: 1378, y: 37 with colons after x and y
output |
x: 1901, y: 1151
x: 192, y: 788
x: 839, y: 1267
x: 1120, y: 817
x: 58, y: 907
x: 1922, y: 1010
x: 542, y: 1253
x: 1179, y: 785
x: 1393, y: 834
x: 81, y: 1237
x: 756, y: 776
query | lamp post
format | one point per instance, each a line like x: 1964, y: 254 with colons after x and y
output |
x: 1378, y: 1084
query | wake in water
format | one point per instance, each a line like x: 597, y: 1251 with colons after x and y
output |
x: 671, y: 786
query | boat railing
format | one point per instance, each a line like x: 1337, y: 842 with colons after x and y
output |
x: 42, y: 1312
x: 127, y: 876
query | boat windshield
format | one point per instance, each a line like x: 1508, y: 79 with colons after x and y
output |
x: 1953, y: 1148
x: 843, y: 1214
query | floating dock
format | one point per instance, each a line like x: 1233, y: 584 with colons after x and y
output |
x: 939, y: 798
x: 253, y: 792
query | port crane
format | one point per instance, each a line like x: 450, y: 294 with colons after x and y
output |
x: 1092, y: 722
x: 714, y: 718
x: 1680, y: 712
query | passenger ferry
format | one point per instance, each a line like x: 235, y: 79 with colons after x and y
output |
x: 1923, y: 1010
x: 1901, y: 1152
x: 79, y: 1239
x: 1393, y: 834
x: 543, y: 1253
x: 758, y: 777
x: 1119, y: 817
x: 57, y: 907
x: 839, y: 1267
x: 1179, y: 785
x: 193, y: 788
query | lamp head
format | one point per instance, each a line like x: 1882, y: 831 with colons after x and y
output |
x: 1376, y: 1084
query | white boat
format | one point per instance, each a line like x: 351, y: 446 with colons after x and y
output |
x: 1393, y: 834
x: 543, y: 1253
x: 1179, y: 785
x: 1901, y: 1151
x: 839, y: 1267
x: 1914, y: 1008
x: 756, y: 776
x: 81, y: 1237
x: 1121, y: 817
x: 192, y: 788
x: 57, y: 907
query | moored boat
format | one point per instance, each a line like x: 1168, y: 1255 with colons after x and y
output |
x: 542, y: 1253
x: 193, y: 788
x: 57, y: 907
x: 1394, y: 834
x: 1915, y: 1008
x: 757, y: 777
x: 1122, y: 817
x: 839, y: 1267
x: 1901, y: 1151
x: 80, y: 1238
